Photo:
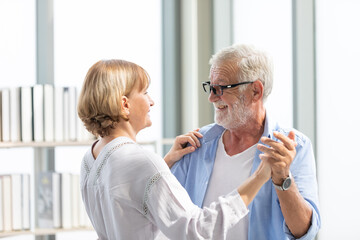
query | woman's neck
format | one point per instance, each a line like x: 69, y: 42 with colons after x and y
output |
x: 122, y: 130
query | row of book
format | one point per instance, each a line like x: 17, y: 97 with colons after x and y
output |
x: 40, y: 113
x: 14, y: 202
x: 59, y: 202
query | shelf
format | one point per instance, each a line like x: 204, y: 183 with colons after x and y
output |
x: 165, y: 141
x: 40, y: 232
x: 45, y: 144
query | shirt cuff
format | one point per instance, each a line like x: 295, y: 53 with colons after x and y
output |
x: 236, y: 204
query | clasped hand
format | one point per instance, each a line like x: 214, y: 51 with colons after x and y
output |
x: 278, y: 154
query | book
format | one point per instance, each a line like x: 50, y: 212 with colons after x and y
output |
x: 16, y: 197
x: 38, y: 111
x: 57, y: 200
x: 26, y: 113
x: 72, y: 114
x: 25, y: 201
x: 49, y: 211
x: 66, y: 112
x: 75, y: 195
x: 7, y: 202
x: 48, y: 113
x: 5, y: 114
x: 66, y: 200
x: 1, y: 206
x: 15, y: 120
x: 59, y: 113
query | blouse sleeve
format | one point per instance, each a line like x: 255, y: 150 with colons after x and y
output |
x: 169, y: 207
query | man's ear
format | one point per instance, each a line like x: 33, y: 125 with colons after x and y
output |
x: 125, y: 105
x: 257, y: 90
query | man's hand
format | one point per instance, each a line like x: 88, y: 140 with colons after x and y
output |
x: 180, y: 148
x: 279, y: 155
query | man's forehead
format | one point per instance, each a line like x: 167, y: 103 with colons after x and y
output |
x: 223, y: 72
x: 220, y: 81
x: 220, y: 77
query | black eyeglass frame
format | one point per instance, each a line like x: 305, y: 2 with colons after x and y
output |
x: 222, y: 87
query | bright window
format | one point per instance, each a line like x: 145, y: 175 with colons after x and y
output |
x: 17, y: 67
x: 88, y: 31
x: 338, y: 117
x: 268, y: 25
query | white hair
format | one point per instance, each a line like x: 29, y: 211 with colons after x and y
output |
x: 252, y: 64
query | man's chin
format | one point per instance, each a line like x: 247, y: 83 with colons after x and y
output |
x: 222, y: 123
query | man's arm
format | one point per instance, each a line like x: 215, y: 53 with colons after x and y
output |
x: 295, y: 209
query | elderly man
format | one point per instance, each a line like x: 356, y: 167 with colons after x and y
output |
x: 241, y: 79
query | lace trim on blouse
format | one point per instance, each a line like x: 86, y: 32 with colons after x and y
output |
x: 149, y: 184
x: 103, y: 161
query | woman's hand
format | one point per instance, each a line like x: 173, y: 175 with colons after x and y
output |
x: 264, y: 171
x: 180, y: 148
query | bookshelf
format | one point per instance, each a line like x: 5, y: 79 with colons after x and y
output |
x: 44, y: 144
x: 43, y: 161
x: 42, y: 232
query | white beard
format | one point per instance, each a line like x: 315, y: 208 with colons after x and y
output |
x: 232, y: 119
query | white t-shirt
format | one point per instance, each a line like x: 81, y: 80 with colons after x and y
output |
x: 130, y: 193
x: 229, y: 173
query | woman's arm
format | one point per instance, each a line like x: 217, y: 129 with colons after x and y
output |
x: 252, y: 185
x: 172, y: 211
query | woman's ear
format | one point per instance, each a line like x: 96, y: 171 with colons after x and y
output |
x: 125, y: 105
x: 258, y: 90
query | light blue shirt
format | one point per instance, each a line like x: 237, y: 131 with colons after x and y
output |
x: 266, y: 221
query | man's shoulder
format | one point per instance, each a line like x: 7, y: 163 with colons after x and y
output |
x: 300, y: 137
x: 211, y: 131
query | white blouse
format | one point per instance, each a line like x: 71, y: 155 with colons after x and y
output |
x: 130, y: 193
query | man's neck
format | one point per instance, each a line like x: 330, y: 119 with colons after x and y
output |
x: 239, y: 139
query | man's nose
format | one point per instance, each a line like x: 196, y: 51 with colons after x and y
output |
x: 213, y: 97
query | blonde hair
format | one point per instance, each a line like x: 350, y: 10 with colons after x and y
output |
x: 107, y: 81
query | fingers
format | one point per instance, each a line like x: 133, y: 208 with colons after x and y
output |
x: 269, y: 152
x: 193, y: 138
x: 273, y: 147
x: 288, y: 141
x: 184, y: 140
x: 279, y: 161
x: 291, y: 135
x: 279, y: 154
x: 187, y: 150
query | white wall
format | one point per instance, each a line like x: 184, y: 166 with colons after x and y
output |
x: 338, y: 113
x: 268, y: 25
x: 88, y: 31
x: 17, y: 67
x: 85, y: 31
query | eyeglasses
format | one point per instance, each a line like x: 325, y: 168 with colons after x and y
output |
x: 218, y: 89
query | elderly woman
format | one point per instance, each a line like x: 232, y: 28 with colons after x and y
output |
x: 129, y: 192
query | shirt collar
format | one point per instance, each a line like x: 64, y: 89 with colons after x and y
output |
x: 211, y: 132
x: 270, y: 126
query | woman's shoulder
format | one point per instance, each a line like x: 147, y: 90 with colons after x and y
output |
x: 143, y: 159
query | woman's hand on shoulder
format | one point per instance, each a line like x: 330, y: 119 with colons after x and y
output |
x: 183, y: 145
